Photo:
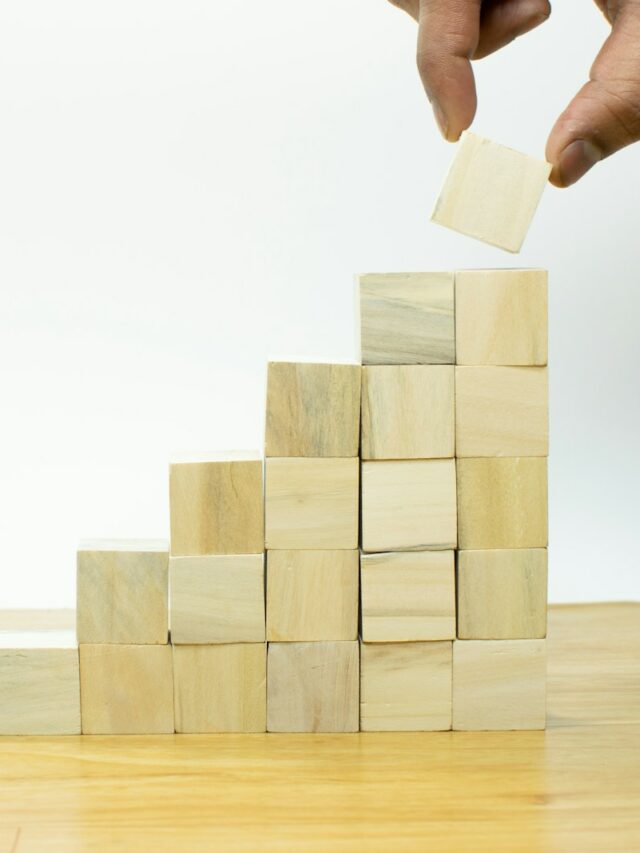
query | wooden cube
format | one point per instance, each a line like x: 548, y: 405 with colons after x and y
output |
x: 122, y: 592
x: 408, y: 596
x: 312, y: 409
x: 502, y: 503
x: 407, y: 318
x: 312, y: 503
x: 502, y: 595
x: 126, y: 689
x: 491, y: 192
x: 409, y: 505
x: 408, y: 412
x: 312, y: 595
x: 499, y: 684
x: 405, y: 687
x: 217, y: 599
x: 220, y: 688
x: 217, y: 505
x: 313, y: 687
x: 501, y: 317
x: 502, y: 411
x: 39, y: 683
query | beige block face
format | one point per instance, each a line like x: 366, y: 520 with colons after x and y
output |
x: 126, y: 689
x: 312, y: 595
x: 312, y: 503
x: 408, y: 596
x: 501, y: 317
x: 313, y: 687
x: 502, y: 595
x: 217, y: 599
x: 409, y: 505
x: 408, y: 412
x: 499, y: 685
x: 405, y: 687
x: 220, y: 688
x: 407, y: 318
x: 217, y: 507
x: 312, y: 409
x: 122, y: 593
x: 491, y: 192
x: 502, y: 503
x: 502, y: 411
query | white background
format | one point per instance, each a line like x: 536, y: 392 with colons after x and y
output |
x: 188, y: 187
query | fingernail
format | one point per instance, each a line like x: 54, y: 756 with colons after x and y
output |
x: 576, y: 160
x: 441, y: 119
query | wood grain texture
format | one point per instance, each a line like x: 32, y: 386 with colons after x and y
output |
x: 491, y: 192
x: 502, y: 503
x: 409, y: 505
x: 217, y: 599
x: 220, y: 688
x: 501, y: 317
x: 405, y: 687
x: 312, y: 595
x: 502, y: 595
x: 407, y: 318
x: 499, y: 685
x: 313, y: 687
x: 408, y: 412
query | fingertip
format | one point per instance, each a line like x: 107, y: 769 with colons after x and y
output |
x: 573, y: 162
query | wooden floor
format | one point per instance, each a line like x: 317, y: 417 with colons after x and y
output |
x: 573, y: 787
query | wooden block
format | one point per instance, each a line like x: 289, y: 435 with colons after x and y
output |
x: 217, y: 599
x: 407, y: 318
x: 408, y: 596
x: 502, y: 503
x: 502, y: 411
x: 312, y: 595
x: 312, y: 503
x: 409, y: 505
x: 491, y: 192
x: 220, y: 688
x: 312, y: 409
x: 313, y: 687
x: 502, y: 595
x: 39, y: 683
x: 217, y: 505
x: 408, y: 412
x: 405, y: 687
x: 126, y: 689
x: 499, y: 684
x: 501, y: 317
x: 122, y: 592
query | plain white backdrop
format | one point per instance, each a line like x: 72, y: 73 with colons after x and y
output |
x: 188, y: 187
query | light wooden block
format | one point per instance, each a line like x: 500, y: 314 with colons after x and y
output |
x: 39, y: 683
x: 126, y: 689
x: 408, y: 596
x: 312, y: 409
x: 122, y: 592
x: 405, y: 687
x: 217, y: 599
x: 313, y: 687
x: 501, y: 317
x: 502, y: 411
x: 502, y: 503
x: 312, y: 503
x: 409, y: 505
x: 220, y: 688
x: 217, y: 505
x: 491, y: 192
x: 499, y: 685
x: 407, y: 318
x: 312, y: 595
x: 502, y: 595
x: 408, y: 412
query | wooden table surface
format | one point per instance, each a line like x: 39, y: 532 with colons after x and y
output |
x: 574, y: 787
